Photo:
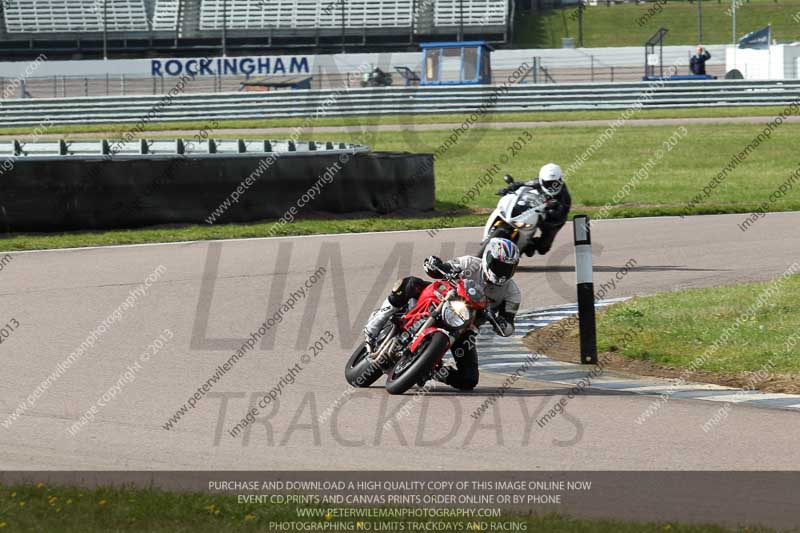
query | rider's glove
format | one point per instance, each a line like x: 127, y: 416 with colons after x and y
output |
x: 432, y: 266
x: 500, y: 324
x: 553, y: 205
x: 504, y: 327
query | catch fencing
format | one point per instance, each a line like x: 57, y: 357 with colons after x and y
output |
x: 400, y: 101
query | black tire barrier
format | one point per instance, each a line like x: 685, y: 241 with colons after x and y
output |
x: 90, y: 193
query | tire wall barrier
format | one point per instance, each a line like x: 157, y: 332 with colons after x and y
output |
x: 75, y: 193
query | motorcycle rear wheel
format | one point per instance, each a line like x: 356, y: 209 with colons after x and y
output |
x: 406, y: 373
x: 361, y: 371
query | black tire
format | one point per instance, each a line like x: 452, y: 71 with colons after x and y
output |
x: 498, y: 231
x: 360, y: 371
x: 419, y: 366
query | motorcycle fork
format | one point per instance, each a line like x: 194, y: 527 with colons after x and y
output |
x: 525, y: 238
x: 432, y: 319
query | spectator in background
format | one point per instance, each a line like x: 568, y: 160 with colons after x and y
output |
x: 697, y: 63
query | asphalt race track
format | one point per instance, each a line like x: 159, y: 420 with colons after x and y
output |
x: 212, y: 296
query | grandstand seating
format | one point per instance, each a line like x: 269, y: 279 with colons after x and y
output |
x: 65, y: 16
x: 476, y: 13
x: 69, y: 26
x: 165, y: 16
x: 262, y: 14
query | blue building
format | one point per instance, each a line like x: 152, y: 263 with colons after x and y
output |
x: 456, y: 63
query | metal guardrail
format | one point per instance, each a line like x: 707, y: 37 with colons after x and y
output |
x: 396, y: 101
x: 118, y: 148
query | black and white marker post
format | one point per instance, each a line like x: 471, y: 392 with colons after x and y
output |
x: 583, y: 275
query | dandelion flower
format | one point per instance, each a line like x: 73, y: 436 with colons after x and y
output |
x: 249, y: 516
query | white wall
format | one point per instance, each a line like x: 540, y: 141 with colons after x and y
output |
x: 778, y: 62
x: 501, y: 59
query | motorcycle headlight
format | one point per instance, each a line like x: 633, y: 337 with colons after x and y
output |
x: 455, y: 313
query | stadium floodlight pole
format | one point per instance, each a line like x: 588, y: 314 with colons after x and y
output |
x: 224, y: 28
x: 344, y: 29
x: 461, y: 20
x: 105, y: 29
x: 699, y: 21
x: 583, y: 277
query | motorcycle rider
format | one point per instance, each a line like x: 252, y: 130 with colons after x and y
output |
x: 492, y: 273
x: 551, y: 184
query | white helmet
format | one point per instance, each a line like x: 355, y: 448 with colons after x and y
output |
x: 500, y: 260
x: 551, y: 178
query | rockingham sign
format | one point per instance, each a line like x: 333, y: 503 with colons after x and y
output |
x: 261, y: 66
x: 231, y: 66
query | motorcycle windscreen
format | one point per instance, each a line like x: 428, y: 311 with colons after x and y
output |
x: 519, y: 208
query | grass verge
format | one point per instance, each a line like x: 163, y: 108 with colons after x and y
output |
x: 657, y: 180
x: 21, y: 242
x: 741, y: 336
x: 44, y: 508
x: 601, y: 23
x: 428, y: 119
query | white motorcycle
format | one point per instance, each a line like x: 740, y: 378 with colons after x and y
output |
x: 516, y: 217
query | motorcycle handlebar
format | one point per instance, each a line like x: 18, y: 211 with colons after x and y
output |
x: 449, y: 276
x: 492, y: 319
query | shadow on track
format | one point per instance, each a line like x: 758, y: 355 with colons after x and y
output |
x: 613, y: 269
x: 481, y: 392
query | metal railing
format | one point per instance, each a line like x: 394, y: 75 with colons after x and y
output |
x: 192, y: 148
x: 569, y: 72
x: 397, y: 101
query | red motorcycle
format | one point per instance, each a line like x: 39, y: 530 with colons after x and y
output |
x: 411, y: 346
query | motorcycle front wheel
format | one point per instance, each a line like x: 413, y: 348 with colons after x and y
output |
x: 414, y: 367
